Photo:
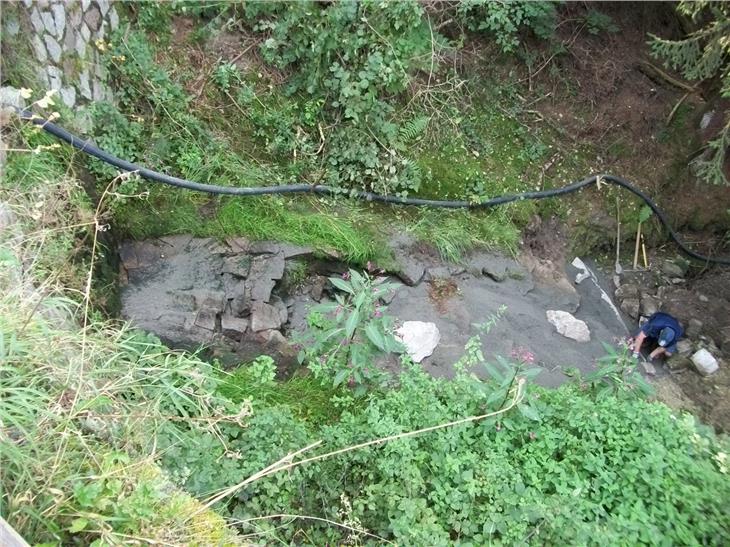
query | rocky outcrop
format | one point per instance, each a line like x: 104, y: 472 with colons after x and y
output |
x: 192, y: 291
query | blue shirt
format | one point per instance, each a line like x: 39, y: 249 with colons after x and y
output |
x: 659, y: 321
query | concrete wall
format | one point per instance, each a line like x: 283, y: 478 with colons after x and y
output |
x: 65, y: 38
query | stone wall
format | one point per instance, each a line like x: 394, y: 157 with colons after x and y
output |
x: 66, y: 37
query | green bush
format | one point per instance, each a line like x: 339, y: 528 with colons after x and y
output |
x: 576, y: 469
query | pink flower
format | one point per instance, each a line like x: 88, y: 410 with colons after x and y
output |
x: 346, y: 276
x: 370, y: 266
x: 378, y: 313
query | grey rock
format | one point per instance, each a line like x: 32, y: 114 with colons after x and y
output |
x: 649, y: 368
x: 68, y: 96
x: 206, y: 319
x: 233, y: 327
x: 84, y: 85
x: 677, y: 281
x: 649, y: 305
x: 569, y: 326
x: 36, y: 20
x: 678, y: 362
x: 420, y: 338
x: 27, y: 3
x: 210, y: 299
x: 69, y: 40
x: 53, y: 47
x: 113, y: 19
x: 684, y: 347
x: 410, y: 271
x: 85, y: 32
x: 59, y: 16
x: 98, y: 90
x: 671, y: 269
x: 93, y: 18
x: 627, y: 290
x: 49, y: 24
x: 705, y: 362
x: 54, y: 77
x: 10, y: 96
x: 238, y: 265
x: 439, y: 272
x: 630, y: 307
x: 80, y: 47
x: 12, y: 27
x: 85, y: 4
x: 694, y: 327
x: 75, y: 17
x: 183, y: 300
x: 283, y: 311
x: 103, y: 6
x: 101, y: 33
x: 703, y: 299
x: 7, y: 217
x: 264, y: 317
x: 241, y: 304
x: 317, y: 287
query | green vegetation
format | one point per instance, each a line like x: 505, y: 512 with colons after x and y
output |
x: 109, y: 437
x: 703, y: 56
x: 346, y: 338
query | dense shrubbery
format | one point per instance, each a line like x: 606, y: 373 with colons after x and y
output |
x: 573, y: 470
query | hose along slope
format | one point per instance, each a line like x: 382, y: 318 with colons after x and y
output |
x: 91, y: 150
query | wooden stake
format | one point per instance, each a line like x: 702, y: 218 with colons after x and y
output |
x: 617, y: 266
x: 636, y: 249
x: 643, y: 251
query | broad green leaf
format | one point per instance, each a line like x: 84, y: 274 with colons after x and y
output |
x: 529, y: 412
x: 645, y: 213
x: 341, y: 376
x: 342, y: 285
x: 376, y: 337
x: 77, y: 525
x: 352, y: 323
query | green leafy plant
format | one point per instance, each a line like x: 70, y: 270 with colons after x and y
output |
x: 616, y: 375
x: 598, y: 22
x: 346, y: 337
x: 505, y: 20
x: 703, y: 56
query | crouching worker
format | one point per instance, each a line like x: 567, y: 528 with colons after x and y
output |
x: 661, y: 331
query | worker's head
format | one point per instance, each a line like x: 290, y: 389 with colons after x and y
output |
x: 666, y: 336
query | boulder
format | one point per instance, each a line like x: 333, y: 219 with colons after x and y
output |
x: 684, y: 347
x: 264, y: 317
x: 233, y: 327
x: 694, y: 327
x: 705, y: 362
x: 317, y: 287
x: 569, y: 326
x: 630, y: 307
x: 419, y: 338
x: 671, y: 269
x: 627, y: 290
x: 649, y: 305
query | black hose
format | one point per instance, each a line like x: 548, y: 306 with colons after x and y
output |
x: 88, y: 148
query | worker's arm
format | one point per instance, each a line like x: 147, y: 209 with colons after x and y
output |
x: 659, y: 351
x: 637, y: 343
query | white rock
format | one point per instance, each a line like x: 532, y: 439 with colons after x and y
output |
x: 59, y: 15
x: 10, y: 96
x: 85, y: 4
x: 419, y: 338
x: 48, y: 22
x: 12, y: 27
x: 36, y: 21
x: 704, y: 362
x: 68, y: 96
x: 85, y: 32
x: 55, y: 77
x: 569, y: 326
x: 84, y: 85
x: 53, y: 47
x: 113, y: 18
x: 80, y: 45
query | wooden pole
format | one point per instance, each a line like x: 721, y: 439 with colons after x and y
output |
x: 9, y: 537
x: 643, y: 251
x: 636, y: 248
